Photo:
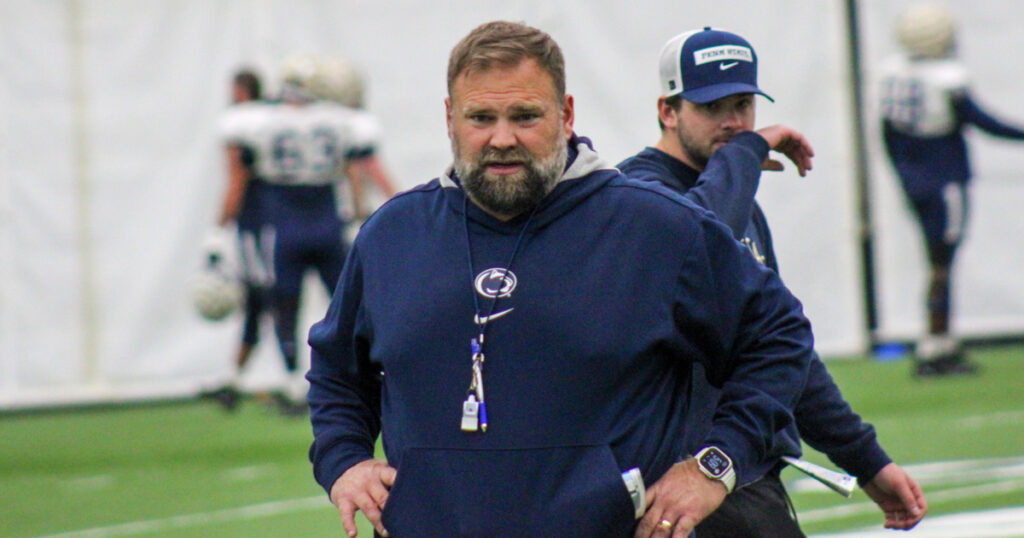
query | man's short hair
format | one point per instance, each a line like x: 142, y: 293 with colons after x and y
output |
x: 249, y: 80
x: 506, y: 44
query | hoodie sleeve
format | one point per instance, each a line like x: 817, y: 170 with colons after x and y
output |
x: 754, y: 342
x: 828, y: 424
x: 344, y: 387
x: 729, y: 182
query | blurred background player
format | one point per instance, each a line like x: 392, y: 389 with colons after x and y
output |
x: 925, y: 106
x: 302, y: 146
x: 344, y: 84
x: 241, y: 207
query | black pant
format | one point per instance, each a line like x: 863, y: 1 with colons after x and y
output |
x: 759, y: 509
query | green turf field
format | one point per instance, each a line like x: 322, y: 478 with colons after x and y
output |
x: 187, y: 469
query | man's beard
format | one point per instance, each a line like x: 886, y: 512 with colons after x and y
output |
x: 699, y: 154
x: 510, y: 195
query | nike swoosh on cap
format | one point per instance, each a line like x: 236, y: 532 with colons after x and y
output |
x: 723, y: 67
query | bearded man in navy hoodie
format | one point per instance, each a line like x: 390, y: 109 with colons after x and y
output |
x: 579, y: 298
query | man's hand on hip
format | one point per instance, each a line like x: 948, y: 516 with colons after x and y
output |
x: 364, y: 486
x: 678, y: 501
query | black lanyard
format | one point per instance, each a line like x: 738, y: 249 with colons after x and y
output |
x: 474, y: 410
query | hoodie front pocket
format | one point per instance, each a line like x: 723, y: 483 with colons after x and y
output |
x: 557, y: 491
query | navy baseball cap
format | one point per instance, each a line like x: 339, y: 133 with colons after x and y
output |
x: 707, y: 65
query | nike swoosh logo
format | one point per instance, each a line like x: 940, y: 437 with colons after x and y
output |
x: 481, y: 320
x: 723, y: 67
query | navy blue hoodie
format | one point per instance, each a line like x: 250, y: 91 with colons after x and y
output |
x: 618, y: 287
x: 727, y: 187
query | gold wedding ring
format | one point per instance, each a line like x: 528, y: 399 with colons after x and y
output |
x: 666, y: 525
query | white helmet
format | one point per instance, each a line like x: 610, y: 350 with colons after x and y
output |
x: 302, y: 77
x: 344, y: 82
x: 215, y: 294
x: 927, y: 30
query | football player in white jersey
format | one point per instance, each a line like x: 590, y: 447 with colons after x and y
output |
x: 241, y: 207
x: 926, y: 104
x: 302, y: 145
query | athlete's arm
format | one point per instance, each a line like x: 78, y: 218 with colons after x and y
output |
x: 238, y: 177
x: 970, y: 112
x: 361, y: 170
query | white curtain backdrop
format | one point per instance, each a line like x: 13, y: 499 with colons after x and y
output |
x: 111, y: 173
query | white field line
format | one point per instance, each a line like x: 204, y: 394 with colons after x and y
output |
x: 251, y: 511
x: 944, y: 495
x: 1003, y: 523
x: 942, y: 472
x: 1001, y: 418
x: 933, y: 473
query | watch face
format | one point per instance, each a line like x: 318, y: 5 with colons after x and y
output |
x: 714, y: 462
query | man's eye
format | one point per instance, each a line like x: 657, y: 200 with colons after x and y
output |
x: 480, y: 118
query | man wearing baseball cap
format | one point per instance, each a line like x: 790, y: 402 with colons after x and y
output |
x: 709, y: 152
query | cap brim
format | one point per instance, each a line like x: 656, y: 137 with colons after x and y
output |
x: 718, y: 91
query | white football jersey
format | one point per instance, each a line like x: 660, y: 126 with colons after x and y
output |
x: 299, y: 144
x: 917, y: 95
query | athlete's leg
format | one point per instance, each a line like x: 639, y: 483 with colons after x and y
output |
x: 330, y: 260
x: 943, y: 219
x: 256, y: 276
x: 940, y: 258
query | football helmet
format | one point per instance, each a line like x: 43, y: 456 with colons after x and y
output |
x: 344, y: 82
x: 927, y: 31
x: 302, y: 78
x: 215, y: 294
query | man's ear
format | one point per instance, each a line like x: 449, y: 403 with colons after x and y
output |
x: 568, y: 115
x: 448, y: 114
x: 668, y: 115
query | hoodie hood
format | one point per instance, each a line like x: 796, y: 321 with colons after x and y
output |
x: 570, y: 189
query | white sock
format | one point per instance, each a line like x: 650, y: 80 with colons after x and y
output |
x: 296, y: 387
x: 936, y: 345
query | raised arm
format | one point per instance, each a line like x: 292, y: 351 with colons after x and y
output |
x: 790, y: 143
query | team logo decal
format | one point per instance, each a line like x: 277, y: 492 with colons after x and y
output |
x: 723, y: 53
x: 495, y: 283
x: 752, y: 245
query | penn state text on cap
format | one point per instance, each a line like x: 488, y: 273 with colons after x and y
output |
x: 707, y: 65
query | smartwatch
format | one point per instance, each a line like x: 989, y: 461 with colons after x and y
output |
x: 717, y: 466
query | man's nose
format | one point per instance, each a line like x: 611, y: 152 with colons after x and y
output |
x: 504, y: 135
x: 731, y: 118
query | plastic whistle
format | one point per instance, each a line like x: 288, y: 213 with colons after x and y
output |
x: 470, y: 414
